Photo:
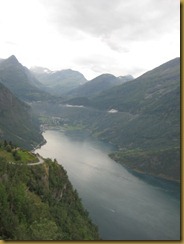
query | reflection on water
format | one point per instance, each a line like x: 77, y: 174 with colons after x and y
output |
x: 172, y: 188
x: 125, y: 206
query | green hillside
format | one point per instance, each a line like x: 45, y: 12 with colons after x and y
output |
x: 17, y: 122
x: 38, y: 201
x: 97, y: 85
x: 153, y: 132
x: 137, y: 95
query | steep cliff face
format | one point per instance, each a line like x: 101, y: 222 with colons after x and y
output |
x: 17, y: 122
x: 40, y: 202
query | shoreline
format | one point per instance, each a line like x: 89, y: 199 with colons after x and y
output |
x: 43, y: 142
x: 141, y: 172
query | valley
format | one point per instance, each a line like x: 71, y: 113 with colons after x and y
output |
x: 139, y: 120
x: 145, y: 126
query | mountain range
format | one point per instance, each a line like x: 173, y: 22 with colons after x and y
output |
x: 40, y: 83
x: 19, y: 83
x: 70, y: 83
x: 140, y: 117
x: 99, y: 84
x: 58, y: 82
x: 140, y: 93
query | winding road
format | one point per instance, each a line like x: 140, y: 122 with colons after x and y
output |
x: 41, y: 161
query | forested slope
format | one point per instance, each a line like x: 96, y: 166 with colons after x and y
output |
x: 38, y: 202
x: 17, y: 122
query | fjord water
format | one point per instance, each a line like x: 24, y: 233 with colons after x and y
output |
x: 124, y: 205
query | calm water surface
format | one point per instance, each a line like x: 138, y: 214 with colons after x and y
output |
x: 123, y: 205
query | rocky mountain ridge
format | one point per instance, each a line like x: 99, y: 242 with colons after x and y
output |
x: 20, y: 81
x: 99, y: 84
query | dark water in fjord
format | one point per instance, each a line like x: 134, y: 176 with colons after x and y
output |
x: 124, y: 205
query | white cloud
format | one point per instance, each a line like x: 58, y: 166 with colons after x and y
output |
x: 94, y: 36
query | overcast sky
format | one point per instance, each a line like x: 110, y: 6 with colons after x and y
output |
x: 92, y: 36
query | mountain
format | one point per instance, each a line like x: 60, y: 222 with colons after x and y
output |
x: 138, y: 94
x: 125, y: 78
x: 38, y: 202
x: 20, y: 81
x: 17, y: 122
x: 98, y: 84
x: 58, y: 82
x: 150, y: 140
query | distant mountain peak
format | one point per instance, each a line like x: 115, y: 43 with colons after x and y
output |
x: 40, y: 70
x: 12, y: 59
x: 19, y: 80
x: 105, y: 75
x: 126, y: 78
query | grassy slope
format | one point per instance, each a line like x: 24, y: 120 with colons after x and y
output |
x: 164, y: 163
x: 39, y: 203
